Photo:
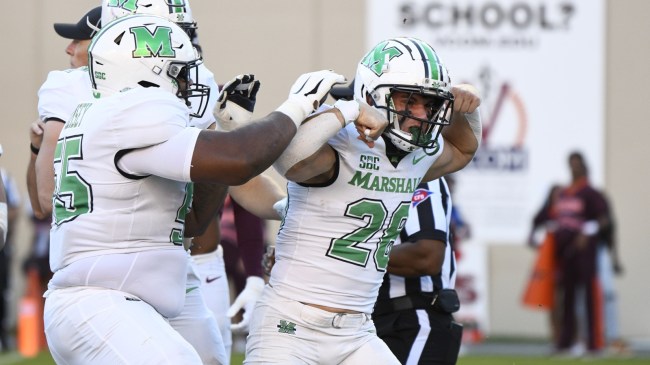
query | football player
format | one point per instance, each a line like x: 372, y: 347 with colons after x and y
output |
x: 348, y: 200
x: 121, y: 203
x: 257, y: 195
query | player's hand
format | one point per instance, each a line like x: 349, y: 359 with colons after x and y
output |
x: 370, y: 124
x: 236, y: 102
x: 246, y: 300
x: 466, y: 98
x: 268, y: 259
x: 308, y: 93
x: 36, y: 133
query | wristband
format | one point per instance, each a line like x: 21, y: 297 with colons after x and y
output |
x: 294, y: 110
x: 349, y: 109
x: 34, y: 149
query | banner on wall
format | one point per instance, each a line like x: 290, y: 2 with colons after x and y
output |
x: 540, y: 68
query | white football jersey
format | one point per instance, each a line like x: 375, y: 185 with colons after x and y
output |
x: 98, y: 209
x: 333, y: 245
x: 62, y: 91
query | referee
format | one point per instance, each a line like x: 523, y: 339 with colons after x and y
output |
x: 413, y: 312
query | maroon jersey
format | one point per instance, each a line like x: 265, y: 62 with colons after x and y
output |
x: 576, y: 205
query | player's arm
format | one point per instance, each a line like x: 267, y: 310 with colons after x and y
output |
x: 35, y: 138
x: 309, y: 158
x: 231, y: 158
x: 206, y: 202
x: 265, y: 139
x: 424, y: 256
x: 425, y: 233
x: 462, y: 136
x: 258, y: 196
x: 43, y: 164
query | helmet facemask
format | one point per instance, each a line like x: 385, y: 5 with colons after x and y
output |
x: 438, y: 109
x: 184, y: 74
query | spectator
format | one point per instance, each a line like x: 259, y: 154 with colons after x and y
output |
x: 581, y: 214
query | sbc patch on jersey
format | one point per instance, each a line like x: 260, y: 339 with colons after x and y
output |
x: 419, y: 196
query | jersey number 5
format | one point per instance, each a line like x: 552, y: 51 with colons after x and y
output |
x: 73, y: 196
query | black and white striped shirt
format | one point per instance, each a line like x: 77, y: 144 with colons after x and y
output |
x: 429, y: 217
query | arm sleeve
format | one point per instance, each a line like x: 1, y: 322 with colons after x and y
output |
x: 171, y: 159
x: 309, y: 138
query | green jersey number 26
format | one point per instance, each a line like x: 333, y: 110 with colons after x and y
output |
x: 375, y: 213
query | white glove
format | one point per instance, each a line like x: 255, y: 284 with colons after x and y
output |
x: 236, y: 102
x: 246, y: 300
x: 308, y: 92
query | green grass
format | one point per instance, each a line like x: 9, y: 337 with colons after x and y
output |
x: 518, y: 360
x: 45, y: 359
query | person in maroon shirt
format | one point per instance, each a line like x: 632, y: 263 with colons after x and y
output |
x: 581, y: 213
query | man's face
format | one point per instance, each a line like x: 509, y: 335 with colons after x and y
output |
x: 419, y: 106
x: 577, y: 167
x: 78, y: 52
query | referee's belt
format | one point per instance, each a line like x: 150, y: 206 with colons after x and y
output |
x: 444, y: 301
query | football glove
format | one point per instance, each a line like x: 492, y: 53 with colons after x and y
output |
x: 308, y: 92
x: 236, y: 102
x: 246, y: 300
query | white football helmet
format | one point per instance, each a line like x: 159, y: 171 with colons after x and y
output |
x: 146, y: 51
x: 412, y: 66
x: 178, y: 11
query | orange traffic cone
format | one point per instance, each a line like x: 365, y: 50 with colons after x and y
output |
x: 30, y: 314
x: 539, y: 291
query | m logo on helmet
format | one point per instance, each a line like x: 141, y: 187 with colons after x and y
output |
x: 377, y: 59
x: 130, y: 5
x: 156, y: 44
